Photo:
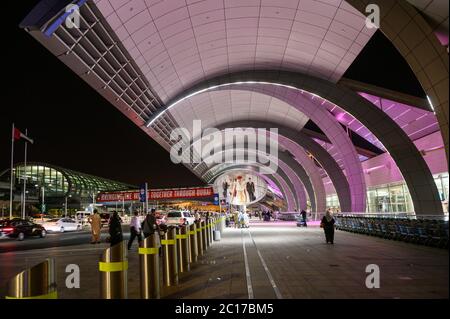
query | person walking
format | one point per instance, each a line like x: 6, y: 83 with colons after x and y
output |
x: 227, y: 220
x: 327, y: 224
x: 303, y: 215
x: 149, y: 224
x: 197, y: 216
x: 135, y: 230
x: 115, y: 229
x: 96, y: 225
x: 246, y: 218
x: 236, y: 220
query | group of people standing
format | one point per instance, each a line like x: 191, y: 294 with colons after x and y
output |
x: 266, y: 215
x: 147, y: 227
x: 238, y: 219
x: 114, y: 225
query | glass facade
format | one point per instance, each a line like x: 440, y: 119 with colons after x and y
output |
x: 61, y: 182
x: 333, y: 202
x: 58, y: 183
x: 395, y: 197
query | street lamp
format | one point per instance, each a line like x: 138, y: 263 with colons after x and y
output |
x: 43, y: 200
x: 65, y: 206
x: 93, y: 199
x: 123, y: 205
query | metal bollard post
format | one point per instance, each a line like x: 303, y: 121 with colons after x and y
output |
x: 216, y: 231
x: 221, y: 223
x: 113, y: 268
x: 170, y: 268
x: 183, y: 249
x: 199, y: 239
x: 207, y: 233
x: 211, y: 230
x: 203, y: 232
x: 149, y: 267
x: 37, y: 282
x: 193, y: 249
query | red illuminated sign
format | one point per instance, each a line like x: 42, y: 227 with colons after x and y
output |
x: 157, y: 194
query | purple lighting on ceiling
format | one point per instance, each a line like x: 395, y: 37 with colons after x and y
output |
x: 416, y: 122
x: 340, y: 117
x: 368, y: 170
x: 275, y: 190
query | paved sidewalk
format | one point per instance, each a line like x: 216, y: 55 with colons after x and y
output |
x: 269, y: 260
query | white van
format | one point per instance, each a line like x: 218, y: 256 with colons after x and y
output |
x: 176, y: 217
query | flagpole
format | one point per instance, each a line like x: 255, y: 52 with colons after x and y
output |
x: 12, y: 175
x: 25, y: 178
x: 146, y: 198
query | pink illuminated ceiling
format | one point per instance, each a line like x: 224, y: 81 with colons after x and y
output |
x: 416, y: 123
x: 178, y: 43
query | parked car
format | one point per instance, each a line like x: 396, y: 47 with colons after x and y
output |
x: 177, y: 218
x: 21, y: 228
x: 62, y: 225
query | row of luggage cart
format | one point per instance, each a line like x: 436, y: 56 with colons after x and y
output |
x: 427, y: 232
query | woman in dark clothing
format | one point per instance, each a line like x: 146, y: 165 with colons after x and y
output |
x: 303, y: 215
x: 328, y: 227
x: 115, y: 229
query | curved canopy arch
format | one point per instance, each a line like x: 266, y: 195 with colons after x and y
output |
x: 395, y: 15
x: 279, y: 182
x: 291, y: 177
x: 301, y: 179
x: 411, y: 164
x: 328, y: 124
x: 299, y: 139
x: 171, y: 62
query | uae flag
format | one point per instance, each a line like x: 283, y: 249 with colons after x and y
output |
x: 17, y: 135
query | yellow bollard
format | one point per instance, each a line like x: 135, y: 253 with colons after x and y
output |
x: 193, y: 248
x: 113, y: 268
x: 170, y: 268
x: 211, y: 230
x: 203, y: 233
x: 183, y: 249
x: 199, y: 239
x: 207, y: 233
x: 37, y: 282
x: 149, y: 267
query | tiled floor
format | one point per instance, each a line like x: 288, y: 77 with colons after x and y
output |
x: 283, y: 262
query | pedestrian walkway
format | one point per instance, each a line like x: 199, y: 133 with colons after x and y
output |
x: 276, y: 261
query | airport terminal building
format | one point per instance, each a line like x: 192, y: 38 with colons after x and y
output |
x: 54, y: 186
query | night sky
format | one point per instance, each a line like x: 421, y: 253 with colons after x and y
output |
x: 74, y: 127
